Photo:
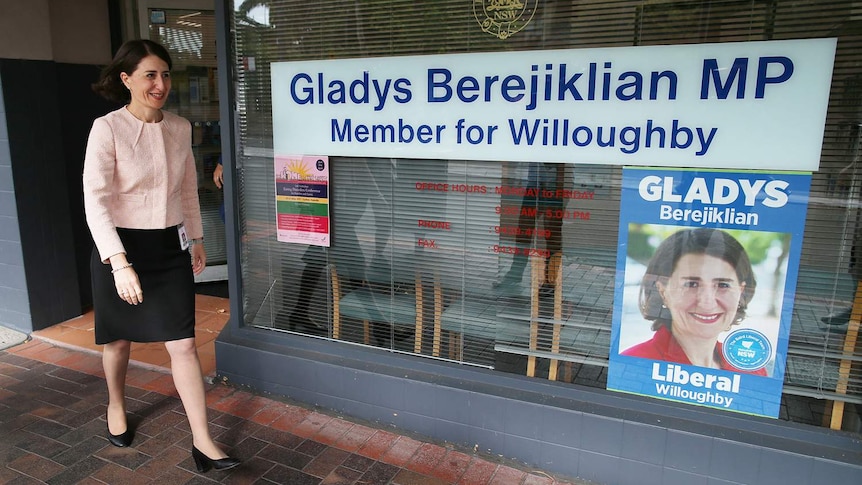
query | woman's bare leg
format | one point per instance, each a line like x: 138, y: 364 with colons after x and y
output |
x: 188, y: 379
x: 115, y: 361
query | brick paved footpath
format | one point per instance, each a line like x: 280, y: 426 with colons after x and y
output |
x: 52, y: 430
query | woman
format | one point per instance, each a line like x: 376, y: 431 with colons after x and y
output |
x: 141, y: 202
x: 697, y: 285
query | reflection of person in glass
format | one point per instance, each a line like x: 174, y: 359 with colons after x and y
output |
x: 697, y: 285
x: 357, y: 184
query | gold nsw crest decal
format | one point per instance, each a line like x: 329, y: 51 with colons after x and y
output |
x: 503, y: 18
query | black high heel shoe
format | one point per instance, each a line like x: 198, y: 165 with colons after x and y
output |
x: 204, y: 463
x: 121, y: 440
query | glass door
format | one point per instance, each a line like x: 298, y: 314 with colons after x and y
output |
x: 187, y: 30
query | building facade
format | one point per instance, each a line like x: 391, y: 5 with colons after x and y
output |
x: 477, y: 291
x: 481, y: 293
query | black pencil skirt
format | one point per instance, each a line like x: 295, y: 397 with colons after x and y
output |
x: 165, y: 272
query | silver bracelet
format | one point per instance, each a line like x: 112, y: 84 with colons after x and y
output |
x: 114, y: 270
x: 199, y: 240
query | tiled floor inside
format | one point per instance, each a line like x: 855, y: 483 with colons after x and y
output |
x: 211, y: 315
x: 52, y: 426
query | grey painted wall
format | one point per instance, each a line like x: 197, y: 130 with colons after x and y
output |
x: 605, y: 437
x: 14, y: 301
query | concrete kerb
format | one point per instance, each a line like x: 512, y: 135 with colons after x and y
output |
x: 11, y: 338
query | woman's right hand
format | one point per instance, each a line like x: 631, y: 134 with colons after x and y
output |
x: 126, y: 280
x: 128, y: 286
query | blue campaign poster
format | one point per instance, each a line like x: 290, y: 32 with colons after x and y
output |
x: 706, y: 274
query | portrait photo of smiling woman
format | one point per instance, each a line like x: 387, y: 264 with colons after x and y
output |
x: 697, y: 286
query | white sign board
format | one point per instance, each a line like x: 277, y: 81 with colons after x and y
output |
x: 748, y: 105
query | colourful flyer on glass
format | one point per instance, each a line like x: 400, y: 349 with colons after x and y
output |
x: 302, y: 199
x: 706, y: 276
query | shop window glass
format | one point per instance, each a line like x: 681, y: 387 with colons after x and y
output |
x: 511, y: 265
x: 189, y: 36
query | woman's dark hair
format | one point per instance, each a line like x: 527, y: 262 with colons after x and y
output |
x: 127, y: 58
x: 706, y: 241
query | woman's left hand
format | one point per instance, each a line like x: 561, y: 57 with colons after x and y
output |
x: 199, y: 258
x: 218, y: 175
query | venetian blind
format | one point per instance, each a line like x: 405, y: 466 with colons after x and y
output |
x: 455, y: 263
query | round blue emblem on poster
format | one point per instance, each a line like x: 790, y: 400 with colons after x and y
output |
x: 747, y: 349
x: 320, y: 165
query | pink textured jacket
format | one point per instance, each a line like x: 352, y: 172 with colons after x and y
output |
x: 139, y: 176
